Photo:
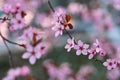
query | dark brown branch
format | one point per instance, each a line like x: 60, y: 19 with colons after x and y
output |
x: 50, y: 5
x: 22, y: 45
x: 9, y: 52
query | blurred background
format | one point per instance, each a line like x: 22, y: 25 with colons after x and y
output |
x: 91, y: 19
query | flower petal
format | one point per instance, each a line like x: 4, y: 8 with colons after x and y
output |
x: 32, y: 60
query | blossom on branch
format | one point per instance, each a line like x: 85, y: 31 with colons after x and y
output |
x: 70, y: 44
x: 110, y: 64
x: 81, y: 48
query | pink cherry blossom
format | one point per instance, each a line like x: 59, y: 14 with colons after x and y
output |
x: 70, y: 44
x: 102, y: 53
x: 17, y: 23
x: 27, y: 33
x: 110, y: 64
x: 7, y: 8
x: 59, y: 17
x: 97, y: 46
x: 58, y: 28
x: 42, y: 47
x: 80, y: 47
x: 32, y: 53
x: 31, y: 32
x: 92, y: 53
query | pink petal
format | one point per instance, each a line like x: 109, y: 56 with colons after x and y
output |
x: 90, y: 56
x: 32, y: 60
x: 38, y: 55
x: 78, y: 52
x: 80, y: 43
x: 84, y: 52
x: 85, y: 46
x: 105, y: 64
x: 26, y: 55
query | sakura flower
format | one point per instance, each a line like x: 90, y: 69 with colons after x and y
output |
x: 92, y: 53
x: 97, y: 46
x: 42, y: 47
x: 110, y: 64
x: 7, y: 8
x: 61, y: 21
x: 58, y: 28
x: 81, y: 48
x: 27, y: 33
x: 32, y: 53
x: 102, y: 53
x: 17, y: 23
x: 70, y: 44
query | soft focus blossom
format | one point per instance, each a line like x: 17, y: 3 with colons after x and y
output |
x: 113, y: 74
x: 19, y: 71
x: 44, y: 20
x: 17, y: 23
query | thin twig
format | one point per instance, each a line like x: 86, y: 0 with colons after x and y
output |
x: 9, y: 52
x: 50, y: 5
x: 22, y: 45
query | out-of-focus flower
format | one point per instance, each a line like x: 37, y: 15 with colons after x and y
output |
x: 70, y: 44
x: 25, y: 71
x: 17, y: 23
x: 44, y: 20
x: 74, y: 7
x: 101, y: 19
x: 113, y: 74
x: 85, y: 72
x: 110, y: 64
x: 115, y: 4
x: 80, y: 47
x: 7, y: 8
x: 63, y: 72
x: 27, y: 34
x: 19, y: 71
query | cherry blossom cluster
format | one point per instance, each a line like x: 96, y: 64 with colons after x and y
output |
x: 36, y: 47
x: 64, y: 72
x: 17, y: 14
x: 12, y: 74
x: 114, y: 62
x: 82, y: 48
x: 61, y: 21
